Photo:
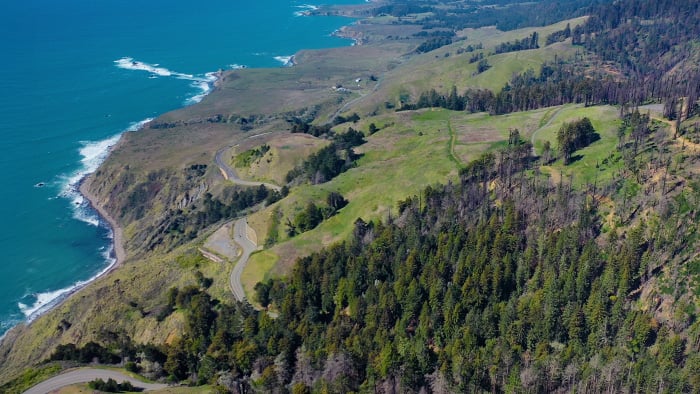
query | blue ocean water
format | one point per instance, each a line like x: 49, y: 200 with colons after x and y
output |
x: 74, y: 75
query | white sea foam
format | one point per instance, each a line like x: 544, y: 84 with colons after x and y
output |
x: 287, y: 61
x: 7, y: 324
x: 203, y: 83
x: 204, y: 86
x: 92, y: 153
x: 129, y: 63
x: 42, y: 302
x: 305, y: 9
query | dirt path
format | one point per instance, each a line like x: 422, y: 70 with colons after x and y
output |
x: 451, y: 145
x: 547, y: 124
x: 353, y: 101
x: 674, y: 133
x: 86, y: 375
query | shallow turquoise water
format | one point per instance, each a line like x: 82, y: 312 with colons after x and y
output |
x: 66, y: 98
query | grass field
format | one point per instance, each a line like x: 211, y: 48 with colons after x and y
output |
x: 589, y: 167
x: 397, y: 161
x: 286, y: 152
x: 257, y: 270
x: 417, y: 151
x: 423, y: 72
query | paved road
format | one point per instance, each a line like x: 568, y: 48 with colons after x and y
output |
x: 240, y: 228
x: 241, y: 237
x: 230, y: 174
x: 86, y: 375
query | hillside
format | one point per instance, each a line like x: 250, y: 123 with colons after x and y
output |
x: 463, y: 209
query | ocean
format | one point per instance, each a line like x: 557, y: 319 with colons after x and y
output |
x: 76, y: 75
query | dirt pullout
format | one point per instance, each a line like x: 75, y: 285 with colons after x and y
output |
x: 221, y: 244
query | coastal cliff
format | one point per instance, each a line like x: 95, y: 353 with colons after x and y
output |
x: 428, y: 238
x: 155, y: 175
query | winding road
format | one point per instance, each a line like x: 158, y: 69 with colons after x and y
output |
x: 85, y: 375
x: 240, y: 236
x: 240, y: 228
x: 230, y: 174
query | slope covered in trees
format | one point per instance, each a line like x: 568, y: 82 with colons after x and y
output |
x: 654, y: 43
x: 636, y: 51
x: 500, y: 282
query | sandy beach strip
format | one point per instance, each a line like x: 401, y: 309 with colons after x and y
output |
x: 119, y: 254
x: 117, y: 231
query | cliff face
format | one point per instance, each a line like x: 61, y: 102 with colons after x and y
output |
x: 158, y: 175
x: 145, y: 204
x: 143, y: 197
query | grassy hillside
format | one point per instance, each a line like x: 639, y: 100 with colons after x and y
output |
x: 125, y: 303
x: 420, y: 148
x: 285, y: 152
x: 445, y: 67
x: 591, y: 163
x: 166, y: 173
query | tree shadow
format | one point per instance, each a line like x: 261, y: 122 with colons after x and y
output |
x: 574, y: 159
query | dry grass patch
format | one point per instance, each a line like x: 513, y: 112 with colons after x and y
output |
x: 470, y: 135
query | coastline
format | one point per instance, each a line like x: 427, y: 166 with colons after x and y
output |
x: 117, y: 231
x: 118, y: 254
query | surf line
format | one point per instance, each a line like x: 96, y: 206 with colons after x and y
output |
x: 203, y: 83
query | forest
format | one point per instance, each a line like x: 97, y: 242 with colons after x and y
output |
x: 501, y: 281
x: 655, y: 62
x: 329, y: 161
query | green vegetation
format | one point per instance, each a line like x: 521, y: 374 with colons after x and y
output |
x: 429, y: 253
x: 313, y: 215
x: 86, y: 354
x: 287, y: 151
x: 186, y: 225
x: 573, y: 136
x: 559, y: 36
x: 246, y: 158
x: 468, y: 280
x: 598, y: 161
x: 524, y: 44
x: 273, y: 230
x: 258, y: 270
x: 29, y: 378
x: 329, y: 161
x: 433, y: 44
x: 111, y: 386
x: 424, y: 157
